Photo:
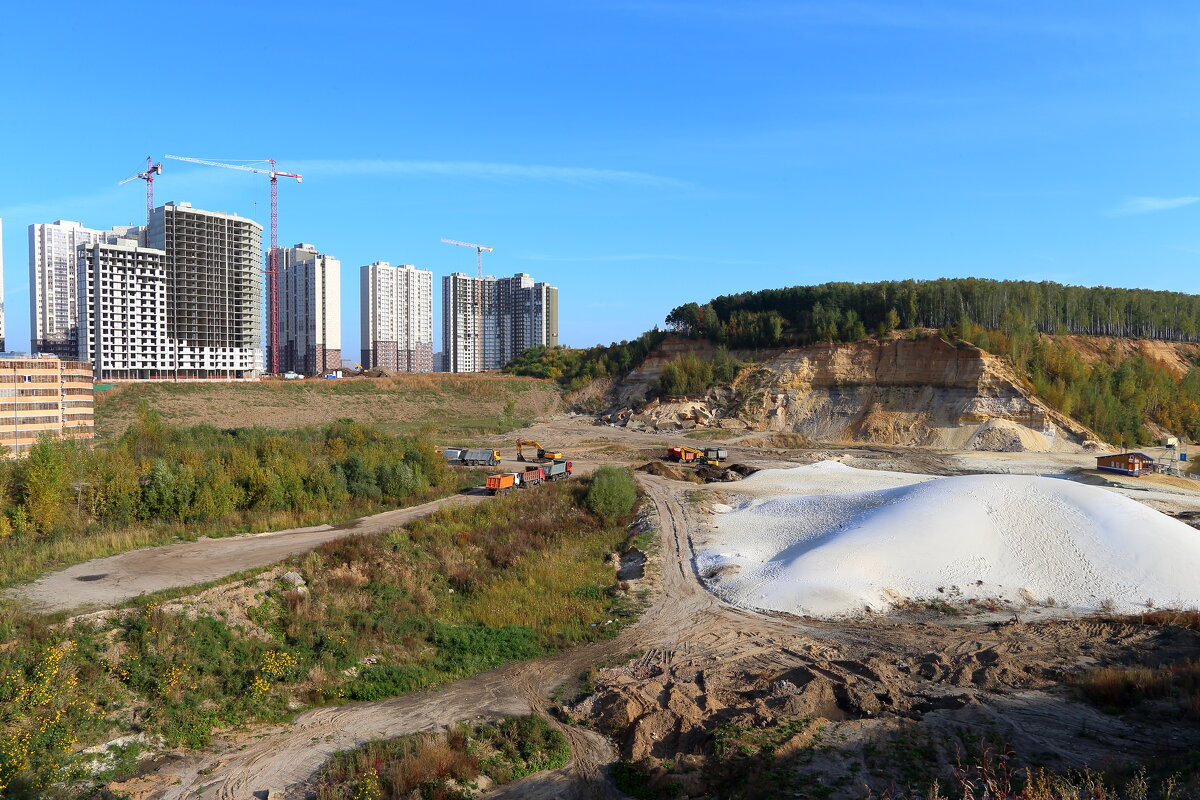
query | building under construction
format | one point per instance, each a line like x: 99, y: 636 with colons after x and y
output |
x: 213, y: 291
x: 489, y: 321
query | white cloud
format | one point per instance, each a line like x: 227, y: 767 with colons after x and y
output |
x: 485, y: 170
x: 1146, y: 205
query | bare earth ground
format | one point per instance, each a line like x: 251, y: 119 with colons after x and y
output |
x: 862, y: 696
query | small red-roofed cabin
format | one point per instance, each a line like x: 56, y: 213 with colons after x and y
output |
x: 1126, y: 463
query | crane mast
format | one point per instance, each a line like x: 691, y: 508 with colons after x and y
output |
x: 272, y: 271
x: 152, y: 170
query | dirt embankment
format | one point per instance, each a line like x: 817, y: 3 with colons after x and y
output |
x: 1179, y: 356
x: 896, y: 391
x: 462, y: 404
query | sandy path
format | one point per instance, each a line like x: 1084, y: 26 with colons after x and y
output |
x: 115, y: 579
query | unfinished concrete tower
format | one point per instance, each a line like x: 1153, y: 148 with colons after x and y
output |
x: 214, y: 291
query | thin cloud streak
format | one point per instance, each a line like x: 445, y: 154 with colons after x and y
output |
x: 863, y: 14
x: 1148, y: 205
x: 487, y: 170
x: 639, y: 257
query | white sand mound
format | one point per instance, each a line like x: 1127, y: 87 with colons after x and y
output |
x: 1005, y: 436
x: 1016, y: 537
x: 825, y: 477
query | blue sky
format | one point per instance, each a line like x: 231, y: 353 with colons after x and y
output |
x: 636, y: 154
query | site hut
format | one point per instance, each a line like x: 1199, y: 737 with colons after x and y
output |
x: 1126, y: 463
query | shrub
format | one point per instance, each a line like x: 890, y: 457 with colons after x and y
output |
x: 612, y: 493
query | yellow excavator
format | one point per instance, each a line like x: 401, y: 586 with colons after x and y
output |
x: 542, y: 453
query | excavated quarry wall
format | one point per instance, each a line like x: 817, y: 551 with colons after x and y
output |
x: 897, y: 391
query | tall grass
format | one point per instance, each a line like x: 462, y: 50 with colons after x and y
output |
x: 444, y: 765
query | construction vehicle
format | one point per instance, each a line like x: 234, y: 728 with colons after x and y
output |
x: 533, y: 476
x: 542, y: 453
x: 713, y: 456
x: 476, y: 458
x: 503, y: 483
x: 684, y: 454
x: 453, y: 455
x: 558, y: 470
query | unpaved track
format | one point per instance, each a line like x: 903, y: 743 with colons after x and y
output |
x: 115, y: 579
x: 684, y: 620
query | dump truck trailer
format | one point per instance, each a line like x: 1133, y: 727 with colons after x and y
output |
x: 453, y: 455
x: 684, y: 454
x: 503, y: 483
x: 558, y: 471
x: 533, y: 476
x: 475, y: 458
x: 715, y: 455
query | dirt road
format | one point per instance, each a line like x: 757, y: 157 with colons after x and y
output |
x: 713, y: 662
x: 115, y: 579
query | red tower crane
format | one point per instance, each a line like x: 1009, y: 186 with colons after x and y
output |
x: 152, y: 169
x: 272, y: 270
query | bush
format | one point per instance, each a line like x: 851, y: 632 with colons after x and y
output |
x: 612, y: 493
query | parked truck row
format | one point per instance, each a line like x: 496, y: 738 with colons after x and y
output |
x: 504, y: 482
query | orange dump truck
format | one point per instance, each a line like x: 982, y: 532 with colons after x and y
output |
x: 503, y: 483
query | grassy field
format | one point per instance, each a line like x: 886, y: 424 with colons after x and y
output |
x: 451, y: 404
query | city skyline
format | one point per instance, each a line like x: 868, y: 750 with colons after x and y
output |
x: 675, y: 151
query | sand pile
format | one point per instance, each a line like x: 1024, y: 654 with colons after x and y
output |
x: 813, y: 549
x: 1005, y: 436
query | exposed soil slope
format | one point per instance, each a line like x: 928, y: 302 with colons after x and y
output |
x: 895, y: 391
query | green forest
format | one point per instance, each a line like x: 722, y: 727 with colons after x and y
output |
x: 574, y: 368
x: 847, y: 312
x: 69, y: 502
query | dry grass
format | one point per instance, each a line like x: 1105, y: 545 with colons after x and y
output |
x: 1122, y: 688
x: 454, y: 404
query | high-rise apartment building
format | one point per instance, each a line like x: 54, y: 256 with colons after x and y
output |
x: 53, y: 291
x: 123, y: 312
x: 397, y: 317
x: 487, y: 322
x: 213, y: 291
x: 2, y: 347
x: 310, y: 317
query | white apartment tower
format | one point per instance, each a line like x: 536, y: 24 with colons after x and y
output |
x: 123, y: 312
x: 53, y: 292
x: 397, y: 317
x: 213, y: 291
x: 2, y: 347
x: 310, y: 317
x: 487, y: 322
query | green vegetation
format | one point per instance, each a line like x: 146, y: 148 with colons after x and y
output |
x: 67, y: 503
x: 446, y: 766
x: 377, y: 616
x: 689, y: 375
x: 1115, y: 396
x: 574, y: 369
x: 846, y: 312
x: 612, y: 493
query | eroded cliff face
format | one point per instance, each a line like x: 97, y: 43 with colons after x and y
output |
x: 898, y: 391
